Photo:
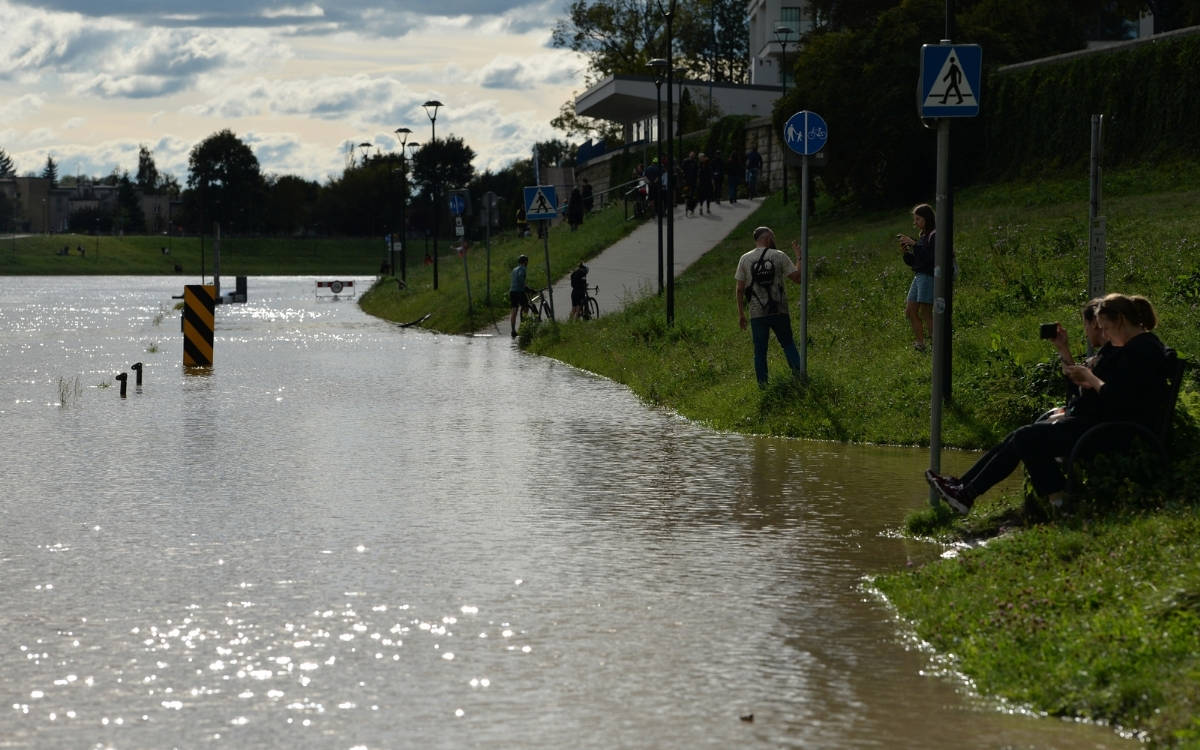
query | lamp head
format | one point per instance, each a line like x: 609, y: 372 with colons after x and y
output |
x: 431, y: 108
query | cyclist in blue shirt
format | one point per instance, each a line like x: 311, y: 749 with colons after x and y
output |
x: 516, y: 292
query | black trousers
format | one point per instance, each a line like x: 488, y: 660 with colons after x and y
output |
x: 1036, y: 445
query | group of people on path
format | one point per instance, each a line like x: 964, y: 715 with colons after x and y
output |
x: 703, y: 179
x: 1125, y: 380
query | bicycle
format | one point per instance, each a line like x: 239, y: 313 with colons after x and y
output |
x: 536, y: 304
x: 591, y: 308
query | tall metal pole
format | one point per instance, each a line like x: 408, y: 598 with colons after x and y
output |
x: 941, y: 256
x: 1096, y: 221
x: 433, y: 105
x: 658, y: 125
x: 783, y: 93
x: 670, y: 177
x: 804, y: 265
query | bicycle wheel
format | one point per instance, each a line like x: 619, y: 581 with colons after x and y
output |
x: 591, y: 309
x: 546, y: 310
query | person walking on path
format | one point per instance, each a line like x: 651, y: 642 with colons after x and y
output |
x: 754, y: 164
x: 705, y: 178
x: 718, y: 175
x: 516, y: 292
x: 575, y: 209
x: 760, y: 275
x: 733, y: 174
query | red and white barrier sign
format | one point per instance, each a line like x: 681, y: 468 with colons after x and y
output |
x: 335, y: 288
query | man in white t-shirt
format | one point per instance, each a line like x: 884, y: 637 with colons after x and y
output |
x: 760, y: 281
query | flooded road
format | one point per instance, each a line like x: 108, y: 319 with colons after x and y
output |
x: 352, y: 535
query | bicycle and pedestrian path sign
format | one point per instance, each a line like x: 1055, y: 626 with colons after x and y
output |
x: 950, y: 79
x: 541, y: 202
x: 805, y: 133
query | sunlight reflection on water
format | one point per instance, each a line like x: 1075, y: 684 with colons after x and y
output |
x: 351, y: 535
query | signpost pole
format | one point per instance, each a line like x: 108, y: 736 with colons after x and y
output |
x: 805, y: 133
x: 541, y: 203
x: 804, y: 268
x: 1096, y: 222
x: 947, y: 71
x: 549, y: 281
x: 939, y: 304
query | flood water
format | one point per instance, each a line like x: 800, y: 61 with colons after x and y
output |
x: 355, y: 536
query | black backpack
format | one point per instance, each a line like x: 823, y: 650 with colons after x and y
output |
x: 762, y: 275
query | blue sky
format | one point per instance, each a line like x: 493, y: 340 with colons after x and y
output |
x: 88, y: 82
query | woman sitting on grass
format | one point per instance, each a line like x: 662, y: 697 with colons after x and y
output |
x: 1127, y: 384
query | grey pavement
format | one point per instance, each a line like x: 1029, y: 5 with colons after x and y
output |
x: 628, y: 270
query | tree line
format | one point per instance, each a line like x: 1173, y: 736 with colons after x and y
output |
x: 373, y: 196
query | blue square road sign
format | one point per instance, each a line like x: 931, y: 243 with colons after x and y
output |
x: 950, y: 80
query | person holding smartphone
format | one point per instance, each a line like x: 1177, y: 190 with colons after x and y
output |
x: 918, y: 254
x: 1126, y: 383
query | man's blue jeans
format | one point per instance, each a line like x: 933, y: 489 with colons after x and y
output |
x: 760, y: 332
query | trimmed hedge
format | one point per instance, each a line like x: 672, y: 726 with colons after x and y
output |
x: 1038, y: 118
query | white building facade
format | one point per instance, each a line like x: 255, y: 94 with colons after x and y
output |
x: 776, y: 27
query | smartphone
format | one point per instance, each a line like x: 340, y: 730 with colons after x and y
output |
x: 1048, y: 330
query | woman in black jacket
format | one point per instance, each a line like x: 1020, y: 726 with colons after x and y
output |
x: 918, y: 253
x: 1127, y: 383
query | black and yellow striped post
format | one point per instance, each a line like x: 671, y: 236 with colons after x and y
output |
x: 199, y: 305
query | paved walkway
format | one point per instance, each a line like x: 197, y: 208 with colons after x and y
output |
x: 628, y: 270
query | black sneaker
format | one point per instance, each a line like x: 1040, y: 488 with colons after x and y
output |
x: 951, y: 491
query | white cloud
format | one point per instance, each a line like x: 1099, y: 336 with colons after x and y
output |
x: 21, y: 107
x: 89, y: 82
x: 312, y: 10
x: 511, y: 72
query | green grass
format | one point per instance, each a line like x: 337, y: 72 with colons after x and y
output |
x: 1091, y: 618
x: 142, y: 255
x: 1021, y: 264
x: 448, y: 305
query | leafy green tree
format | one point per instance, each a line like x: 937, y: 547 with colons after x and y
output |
x: 50, y: 171
x: 714, y: 39
x: 290, y: 205
x: 7, y: 168
x: 6, y: 213
x: 147, y: 172
x: 614, y: 36
x: 573, y: 125
x: 129, y: 215
x: 840, y: 15
x: 225, y: 183
x: 445, y: 163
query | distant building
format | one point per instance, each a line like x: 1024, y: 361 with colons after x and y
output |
x: 776, y: 28
x: 41, y: 208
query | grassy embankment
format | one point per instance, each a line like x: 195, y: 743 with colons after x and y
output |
x: 1094, y: 614
x: 37, y: 255
x: 448, y: 307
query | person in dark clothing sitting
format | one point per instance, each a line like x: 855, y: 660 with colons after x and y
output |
x: 1127, y: 383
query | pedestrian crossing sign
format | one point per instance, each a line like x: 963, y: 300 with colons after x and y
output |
x: 950, y: 79
x: 541, y: 202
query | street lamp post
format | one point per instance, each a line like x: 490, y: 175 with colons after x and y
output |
x: 783, y: 36
x: 659, y: 64
x: 431, y: 108
x: 412, y: 150
x: 404, y: 132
